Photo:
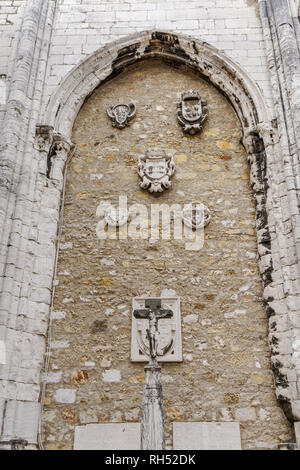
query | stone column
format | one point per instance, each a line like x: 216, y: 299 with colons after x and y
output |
x: 152, y: 433
x: 22, y: 314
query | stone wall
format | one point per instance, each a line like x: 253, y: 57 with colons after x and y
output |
x: 226, y: 373
x: 52, y: 37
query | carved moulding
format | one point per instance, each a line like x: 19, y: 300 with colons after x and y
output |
x: 156, y: 168
x: 112, y: 216
x: 121, y: 114
x: 192, y: 112
x: 169, y: 347
x: 196, y: 215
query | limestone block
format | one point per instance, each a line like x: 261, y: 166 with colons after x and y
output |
x: 245, y: 414
x: 65, y: 395
x: 108, y: 436
x: 206, y: 436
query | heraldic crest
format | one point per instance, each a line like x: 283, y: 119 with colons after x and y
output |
x: 156, y: 168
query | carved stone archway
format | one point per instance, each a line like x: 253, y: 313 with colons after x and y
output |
x: 260, y: 138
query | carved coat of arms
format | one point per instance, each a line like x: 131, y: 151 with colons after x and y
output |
x: 121, y: 114
x: 156, y: 168
x: 192, y: 112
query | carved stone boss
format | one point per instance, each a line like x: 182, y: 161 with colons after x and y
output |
x: 168, y: 336
x: 121, y: 114
x: 156, y: 168
x: 192, y: 112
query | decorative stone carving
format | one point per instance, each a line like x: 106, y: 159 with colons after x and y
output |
x: 121, y: 114
x: 192, y: 112
x: 156, y: 168
x: 153, y: 312
x: 116, y: 217
x: 196, y: 215
x: 168, y: 342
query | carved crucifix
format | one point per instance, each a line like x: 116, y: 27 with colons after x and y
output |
x: 152, y: 432
x: 153, y: 312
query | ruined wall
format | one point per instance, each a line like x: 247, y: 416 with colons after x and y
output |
x: 226, y: 374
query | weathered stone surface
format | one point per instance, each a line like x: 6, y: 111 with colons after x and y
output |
x: 297, y: 432
x: 65, y: 395
x: 221, y: 350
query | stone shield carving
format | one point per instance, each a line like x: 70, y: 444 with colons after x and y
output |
x: 121, y: 114
x: 156, y: 168
x: 196, y: 215
x: 192, y: 112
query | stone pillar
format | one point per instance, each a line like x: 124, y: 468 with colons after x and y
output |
x: 22, y: 314
x: 283, y: 173
x: 152, y: 432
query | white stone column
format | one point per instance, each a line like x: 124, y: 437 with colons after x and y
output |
x: 152, y: 432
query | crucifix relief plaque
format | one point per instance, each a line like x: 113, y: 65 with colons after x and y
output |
x: 168, y: 345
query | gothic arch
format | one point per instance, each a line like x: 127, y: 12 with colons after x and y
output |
x: 110, y: 60
x: 260, y: 138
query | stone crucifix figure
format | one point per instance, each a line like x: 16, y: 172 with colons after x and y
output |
x: 152, y: 434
